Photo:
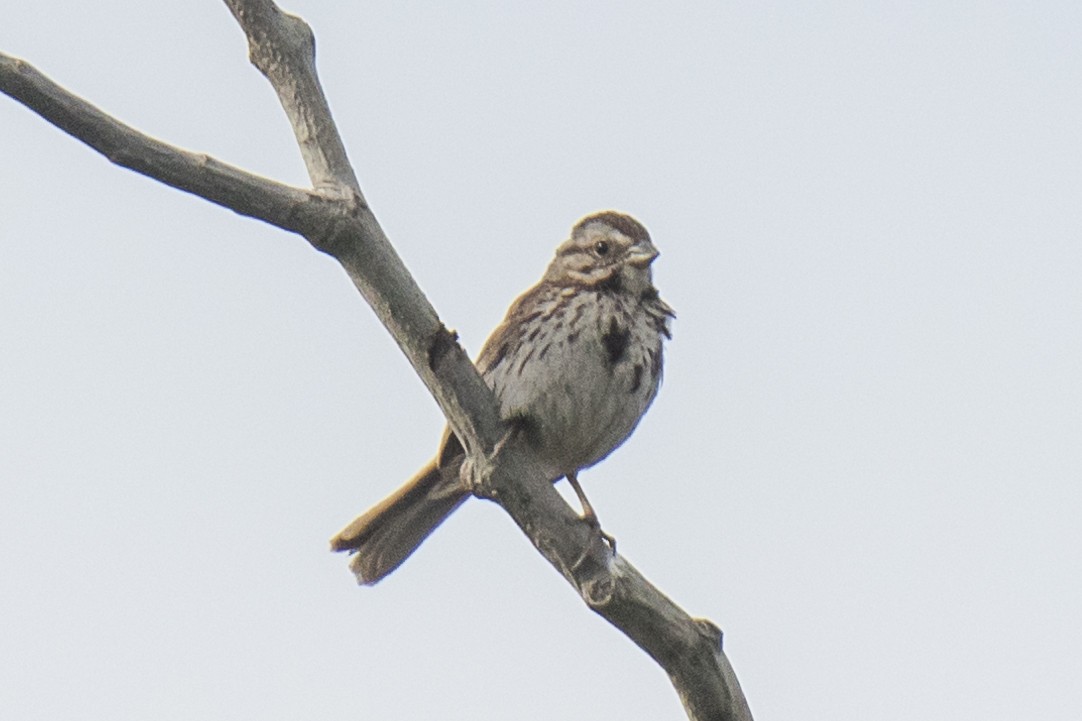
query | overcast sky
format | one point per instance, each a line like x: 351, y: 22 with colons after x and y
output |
x: 865, y: 463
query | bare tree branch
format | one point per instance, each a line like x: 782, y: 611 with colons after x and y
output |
x: 283, y: 47
x: 335, y: 218
x: 246, y: 193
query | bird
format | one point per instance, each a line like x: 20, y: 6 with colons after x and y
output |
x: 575, y: 364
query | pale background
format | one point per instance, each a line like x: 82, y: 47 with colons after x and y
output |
x: 865, y: 463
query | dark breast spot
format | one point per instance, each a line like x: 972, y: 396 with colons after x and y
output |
x: 613, y: 284
x: 636, y: 377
x: 615, y: 341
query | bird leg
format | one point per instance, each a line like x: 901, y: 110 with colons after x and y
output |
x: 588, y: 513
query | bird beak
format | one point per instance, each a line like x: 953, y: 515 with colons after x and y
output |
x: 642, y: 256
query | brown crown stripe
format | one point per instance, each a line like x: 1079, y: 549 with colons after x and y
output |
x: 617, y: 221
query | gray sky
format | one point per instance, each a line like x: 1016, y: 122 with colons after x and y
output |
x: 865, y: 463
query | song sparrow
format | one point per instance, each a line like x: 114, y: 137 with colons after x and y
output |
x: 575, y: 364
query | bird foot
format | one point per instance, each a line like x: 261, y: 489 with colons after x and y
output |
x: 595, y: 525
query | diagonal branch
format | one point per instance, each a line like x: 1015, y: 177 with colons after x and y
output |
x: 335, y: 218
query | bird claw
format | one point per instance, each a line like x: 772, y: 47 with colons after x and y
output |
x: 595, y: 525
x: 476, y: 472
x: 609, y: 539
x: 595, y: 528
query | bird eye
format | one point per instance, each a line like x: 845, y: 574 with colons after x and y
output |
x: 601, y: 247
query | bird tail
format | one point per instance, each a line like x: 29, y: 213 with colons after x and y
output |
x: 391, y: 530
